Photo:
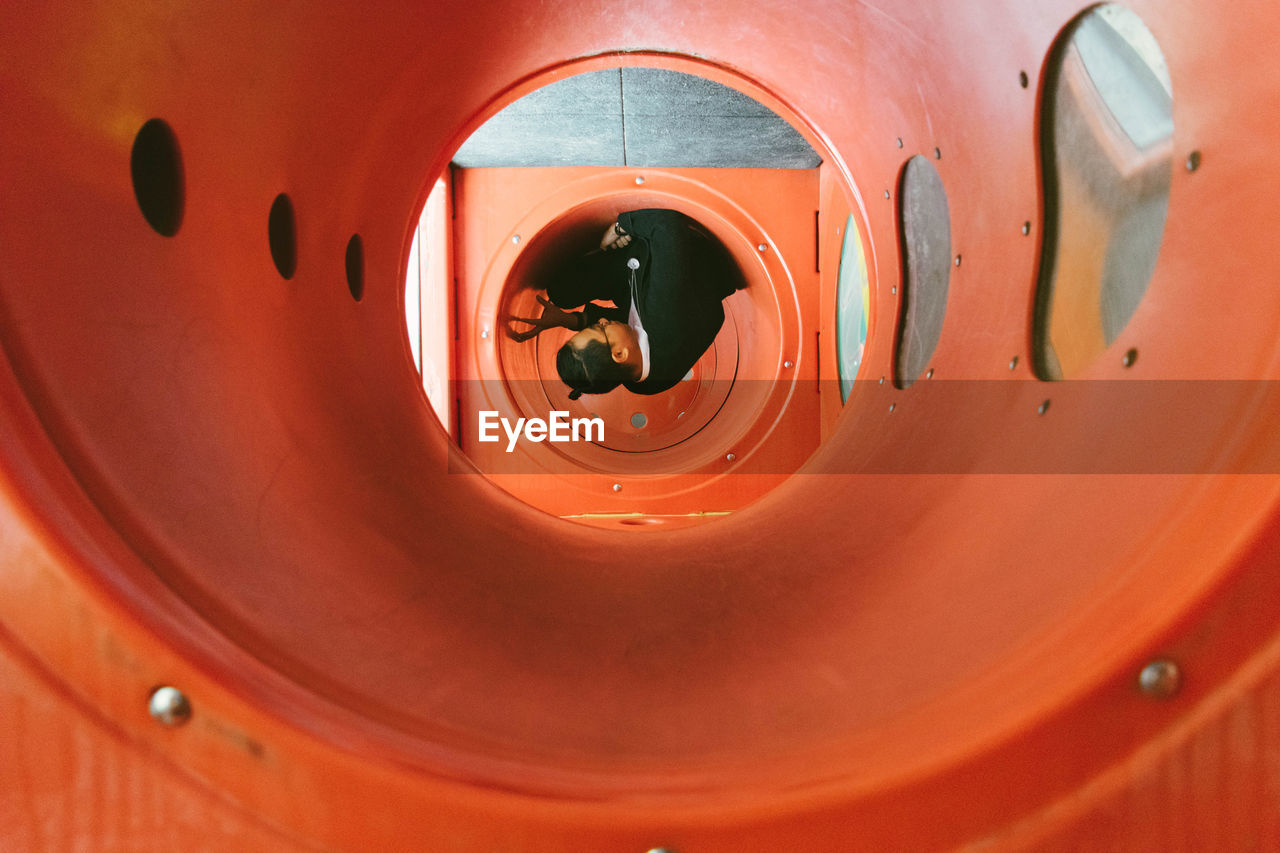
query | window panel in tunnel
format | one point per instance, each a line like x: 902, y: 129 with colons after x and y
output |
x: 853, y: 297
x: 1106, y: 152
x: 924, y: 223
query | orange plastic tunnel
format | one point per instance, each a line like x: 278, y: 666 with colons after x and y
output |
x: 1018, y: 591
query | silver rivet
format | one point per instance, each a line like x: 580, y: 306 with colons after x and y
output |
x: 937, y: 153
x: 957, y: 260
x: 1193, y: 161
x: 638, y: 420
x: 1160, y: 679
x: 886, y: 193
x: 169, y: 705
x: 763, y: 247
x: 1026, y: 228
x: 788, y: 364
x: 1024, y: 79
x: 899, y: 141
x: 1044, y: 407
x: 639, y: 180
x: 881, y: 380
x: 1129, y: 358
x: 893, y: 289
x: 729, y: 457
x: 484, y: 333
x: 515, y: 239
x: 929, y: 373
x: 893, y: 406
x: 617, y: 487
x: 1013, y: 363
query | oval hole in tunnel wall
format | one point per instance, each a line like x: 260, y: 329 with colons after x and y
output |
x: 155, y: 165
x: 355, y: 267
x: 853, y: 307
x: 924, y: 227
x: 1107, y: 161
x: 282, y: 236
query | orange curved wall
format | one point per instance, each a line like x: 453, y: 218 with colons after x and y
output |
x: 220, y: 479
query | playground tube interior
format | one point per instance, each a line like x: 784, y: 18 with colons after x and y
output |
x: 962, y: 536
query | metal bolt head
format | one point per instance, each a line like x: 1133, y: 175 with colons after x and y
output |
x: 515, y: 239
x: 788, y: 364
x: 729, y: 457
x: 639, y: 180
x: 484, y: 334
x: 1160, y: 679
x: 763, y: 247
x: 169, y: 705
x: 617, y: 487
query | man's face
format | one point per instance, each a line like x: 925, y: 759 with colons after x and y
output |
x: 618, y: 337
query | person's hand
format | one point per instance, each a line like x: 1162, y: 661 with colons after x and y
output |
x: 552, y: 316
x: 614, y: 238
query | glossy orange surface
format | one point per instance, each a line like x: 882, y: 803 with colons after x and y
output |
x: 216, y: 478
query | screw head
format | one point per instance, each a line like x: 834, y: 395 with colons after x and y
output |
x: 1160, y: 679
x: 169, y: 706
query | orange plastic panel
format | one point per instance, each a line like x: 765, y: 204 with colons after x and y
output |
x: 746, y: 418
x: 216, y: 478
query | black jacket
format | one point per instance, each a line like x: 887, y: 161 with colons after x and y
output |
x: 684, y: 273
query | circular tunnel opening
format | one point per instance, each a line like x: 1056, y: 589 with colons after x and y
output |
x: 529, y: 194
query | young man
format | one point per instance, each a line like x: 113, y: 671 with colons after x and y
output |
x: 667, y: 275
